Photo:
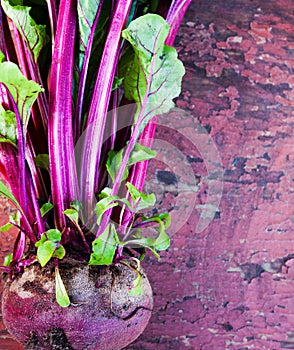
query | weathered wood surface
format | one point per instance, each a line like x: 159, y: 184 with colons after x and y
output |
x: 231, y: 285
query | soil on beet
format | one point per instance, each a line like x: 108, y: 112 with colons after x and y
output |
x: 54, y: 339
x: 102, y: 315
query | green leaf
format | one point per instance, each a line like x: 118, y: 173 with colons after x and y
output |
x: 6, y: 227
x: 3, y: 139
x: 162, y: 241
x: 33, y: 34
x: 24, y: 92
x: 154, y: 4
x: 117, y: 82
x: 42, y: 161
x: 2, y: 56
x: 53, y: 235
x: 72, y: 214
x: 59, y: 252
x: 8, y: 127
x: 103, y: 205
x: 104, y: 247
x: 154, y: 77
x: 76, y: 205
x: 125, y: 61
x: 45, y: 252
x: 125, y: 202
x: 41, y: 240
x: 164, y: 217
x: 13, y: 219
x: 147, y: 243
x: 16, y: 2
x: 46, y: 207
x: 107, y: 202
x: 4, y: 191
x: 137, y: 288
x: 86, y: 15
x: 113, y: 163
x: 60, y: 291
x: 8, y: 259
x: 140, y: 153
x: 141, y: 199
x: 106, y: 192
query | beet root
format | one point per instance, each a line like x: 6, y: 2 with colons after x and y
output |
x: 102, y: 314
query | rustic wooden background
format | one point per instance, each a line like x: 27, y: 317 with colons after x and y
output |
x: 230, y: 285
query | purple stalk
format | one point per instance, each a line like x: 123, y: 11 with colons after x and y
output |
x: 21, y: 157
x: 129, y: 148
x: 83, y: 76
x: 175, y: 16
x: 82, y: 236
x: 25, y: 184
x: 31, y: 71
x: 36, y: 175
x: 99, y: 106
x: 33, y: 212
x: 6, y: 45
x: 3, y: 96
x: 110, y: 129
x: 36, y: 210
x: 41, y: 126
x: 19, y: 247
x: 117, y: 182
x: 139, y: 171
x: 64, y: 184
x: 8, y: 166
x: 9, y: 170
x: 23, y: 60
x: 51, y: 5
x: 19, y: 49
x: 27, y: 262
x: 24, y: 57
x: 11, y: 163
x: 114, y: 117
x: 2, y: 37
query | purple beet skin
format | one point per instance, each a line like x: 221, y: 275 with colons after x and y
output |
x: 102, y: 315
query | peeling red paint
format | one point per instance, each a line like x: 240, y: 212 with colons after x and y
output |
x: 239, y: 58
x: 261, y: 33
x: 240, y: 83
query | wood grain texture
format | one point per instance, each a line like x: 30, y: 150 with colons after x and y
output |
x: 229, y: 286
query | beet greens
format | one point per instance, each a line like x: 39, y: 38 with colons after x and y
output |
x: 81, y: 83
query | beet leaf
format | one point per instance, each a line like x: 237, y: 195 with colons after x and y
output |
x: 104, y: 247
x: 33, y: 34
x: 137, y: 287
x: 60, y: 291
x: 8, y: 126
x: 24, y: 92
x: 152, y: 81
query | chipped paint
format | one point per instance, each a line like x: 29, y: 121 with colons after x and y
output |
x: 239, y: 85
